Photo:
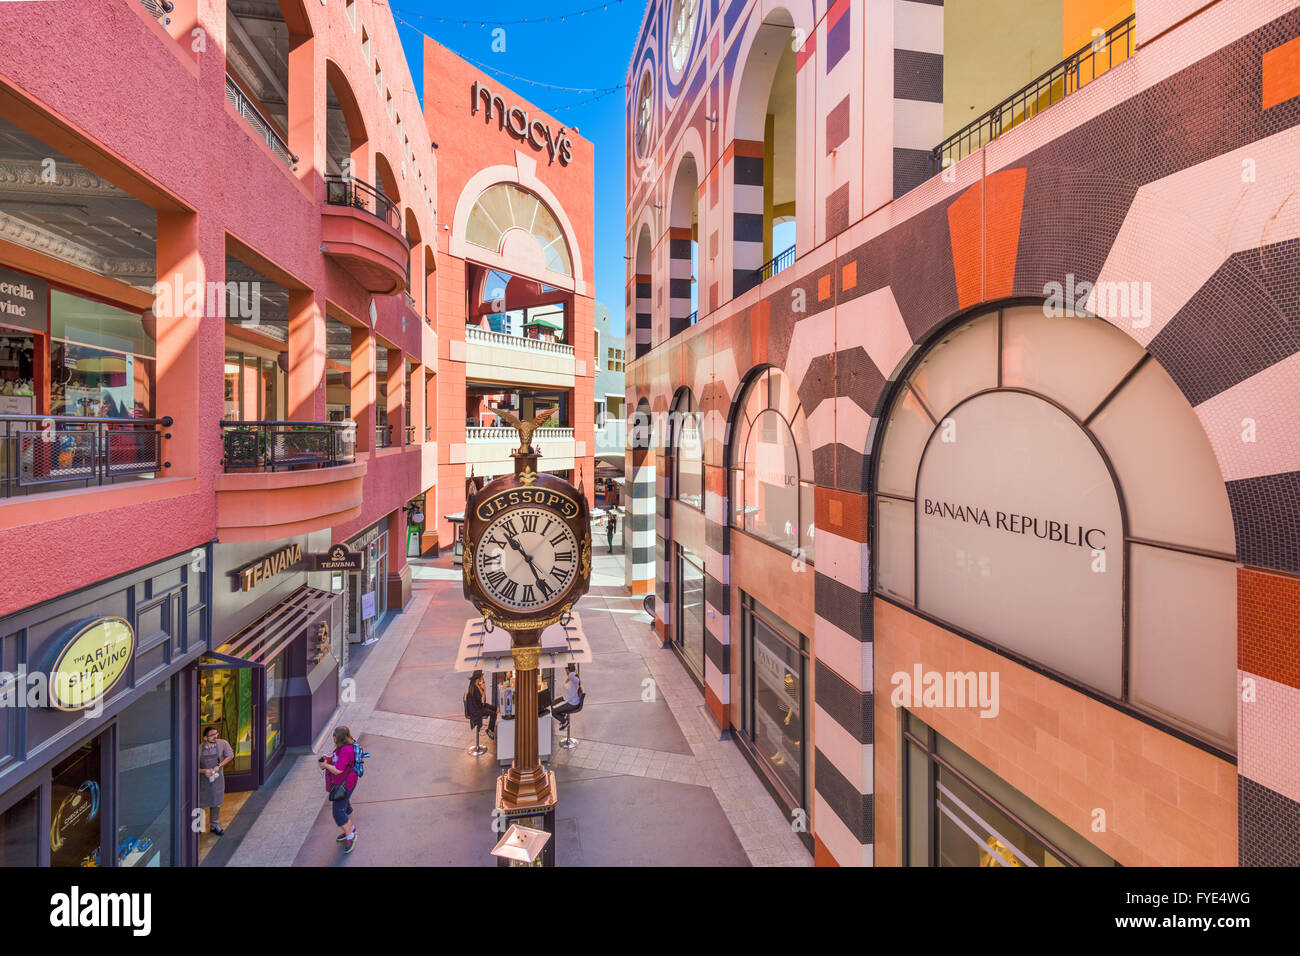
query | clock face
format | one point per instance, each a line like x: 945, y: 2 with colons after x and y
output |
x: 526, y: 559
x: 682, y: 24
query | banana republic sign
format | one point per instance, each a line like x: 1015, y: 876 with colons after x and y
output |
x: 517, y: 123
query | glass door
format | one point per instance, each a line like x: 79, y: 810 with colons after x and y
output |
x: 227, y: 698
x: 77, y: 811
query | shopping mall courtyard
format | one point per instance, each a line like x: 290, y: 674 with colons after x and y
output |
x: 649, y: 784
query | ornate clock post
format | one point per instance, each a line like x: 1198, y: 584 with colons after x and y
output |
x: 527, y: 562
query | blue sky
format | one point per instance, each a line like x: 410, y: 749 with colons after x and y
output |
x: 589, y: 51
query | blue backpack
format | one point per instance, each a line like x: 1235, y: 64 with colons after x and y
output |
x: 358, y: 760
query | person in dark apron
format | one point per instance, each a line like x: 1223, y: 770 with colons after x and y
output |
x: 214, y: 754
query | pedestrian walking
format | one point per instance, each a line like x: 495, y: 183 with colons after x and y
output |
x: 611, y: 524
x: 340, y: 781
x: 214, y: 754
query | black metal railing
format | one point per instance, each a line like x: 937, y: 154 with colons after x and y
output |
x: 342, y: 191
x: 39, y: 452
x: 693, y: 318
x: 776, y: 264
x: 271, y: 445
x: 258, y: 123
x: 1081, y: 67
x: 410, y: 434
x: 383, y: 436
x: 428, y: 433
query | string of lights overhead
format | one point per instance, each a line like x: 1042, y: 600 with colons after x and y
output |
x: 483, y: 23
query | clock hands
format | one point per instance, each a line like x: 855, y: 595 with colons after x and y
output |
x: 531, y: 567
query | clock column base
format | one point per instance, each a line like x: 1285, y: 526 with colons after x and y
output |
x: 526, y: 784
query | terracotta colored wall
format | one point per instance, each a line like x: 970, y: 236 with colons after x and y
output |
x: 157, y: 123
x: 1166, y: 802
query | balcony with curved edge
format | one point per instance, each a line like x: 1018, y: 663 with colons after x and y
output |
x: 361, y: 229
x: 285, y: 478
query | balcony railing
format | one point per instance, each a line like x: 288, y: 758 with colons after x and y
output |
x: 1081, y: 67
x: 509, y: 434
x: 410, y: 434
x: 383, y: 436
x: 259, y: 123
x: 271, y: 445
x: 159, y: 9
x: 476, y: 333
x: 693, y: 318
x: 774, y: 265
x: 341, y: 191
x: 38, y: 453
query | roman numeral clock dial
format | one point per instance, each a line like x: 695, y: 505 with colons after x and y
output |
x: 527, y: 559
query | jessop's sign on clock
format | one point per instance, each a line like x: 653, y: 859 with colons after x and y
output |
x: 518, y: 124
x: 539, y: 497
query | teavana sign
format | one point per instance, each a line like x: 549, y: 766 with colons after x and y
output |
x: 517, y: 123
x: 286, y: 559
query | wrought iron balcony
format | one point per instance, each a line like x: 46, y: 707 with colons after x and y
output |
x: 259, y: 123
x: 43, y: 452
x: 778, y: 263
x: 1081, y: 67
x: 343, y: 191
x: 383, y: 436
x: 159, y: 9
x: 272, y: 445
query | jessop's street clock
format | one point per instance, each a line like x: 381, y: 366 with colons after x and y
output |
x: 527, y: 543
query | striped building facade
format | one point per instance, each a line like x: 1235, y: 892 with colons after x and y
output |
x: 1170, y: 170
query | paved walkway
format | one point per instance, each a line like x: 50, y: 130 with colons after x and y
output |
x: 648, y: 784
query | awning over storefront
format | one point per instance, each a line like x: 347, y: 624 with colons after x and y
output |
x: 490, y: 651
x: 265, y: 638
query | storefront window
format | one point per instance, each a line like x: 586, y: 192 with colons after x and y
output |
x: 688, y: 451
x: 960, y: 814
x: 774, y: 694
x: 101, y: 359
x: 275, y: 687
x: 254, y: 388
x: 76, y: 803
x: 690, y: 602
x: 145, y: 780
x: 18, y: 832
x: 771, y: 466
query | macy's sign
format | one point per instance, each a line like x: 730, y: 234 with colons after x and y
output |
x: 515, y: 121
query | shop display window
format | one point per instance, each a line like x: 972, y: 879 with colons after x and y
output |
x: 146, y: 769
x: 774, y: 713
x: 254, y: 388
x: 688, y: 451
x: 771, y: 466
x: 226, y: 699
x: 959, y: 813
x: 690, y: 603
x: 18, y: 846
x: 76, y: 807
x: 102, y: 359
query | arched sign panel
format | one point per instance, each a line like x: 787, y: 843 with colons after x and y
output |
x: 1020, y: 537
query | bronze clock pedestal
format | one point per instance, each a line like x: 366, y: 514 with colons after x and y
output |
x: 526, y: 785
x: 558, y: 556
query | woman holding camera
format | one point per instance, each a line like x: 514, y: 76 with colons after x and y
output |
x: 338, y: 767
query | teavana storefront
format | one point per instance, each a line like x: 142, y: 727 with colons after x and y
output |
x: 1055, y: 613
x: 98, y: 732
x: 272, y: 679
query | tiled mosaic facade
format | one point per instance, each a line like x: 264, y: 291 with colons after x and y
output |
x: 1177, y: 167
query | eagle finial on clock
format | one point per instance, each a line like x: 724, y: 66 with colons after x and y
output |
x: 525, y: 429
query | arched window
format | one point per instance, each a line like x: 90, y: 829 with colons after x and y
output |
x: 505, y: 207
x: 1043, y: 486
x: 771, y: 466
x: 687, y: 451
